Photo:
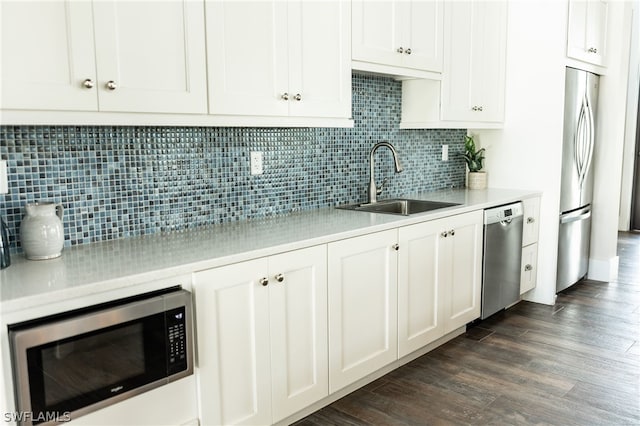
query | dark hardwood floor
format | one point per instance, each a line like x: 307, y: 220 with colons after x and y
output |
x: 575, y: 363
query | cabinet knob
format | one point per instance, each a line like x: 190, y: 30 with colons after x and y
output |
x: 298, y: 97
x: 111, y: 85
x: 285, y: 96
x: 279, y: 277
x: 263, y: 281
x: 452, y: 232
x: 530, y: 220
x: 476, y: 108
x: 396, y: 247
x: 444, y: 234
x: 592, y: 50
x: 400, y: 50
x: 408, y: 51
x: 528, y: 267
x: 88, y: 83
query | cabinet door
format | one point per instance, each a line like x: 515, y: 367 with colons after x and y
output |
x: 475, y: 60
x: 298, y: 320
x: 531, y: 208
x: 362, y: 306
x: 423, y: 34
x: 247, y: 57
x: 419, y: 320
x: 47, y: 68
x: 376, y: 32
x: 319, y: 59
x: 587, y: 29
x: 156, y: 65
x: 529, y: 269
x: 232, y: 325
x: 461, y: 265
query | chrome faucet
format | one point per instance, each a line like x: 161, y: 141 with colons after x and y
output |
x: 373, y: 191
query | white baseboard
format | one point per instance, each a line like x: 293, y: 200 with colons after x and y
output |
x: 603, y: 270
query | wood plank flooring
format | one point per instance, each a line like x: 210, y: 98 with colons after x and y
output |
x: 575, y: 363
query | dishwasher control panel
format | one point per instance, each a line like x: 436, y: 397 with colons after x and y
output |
x: 498, y: 214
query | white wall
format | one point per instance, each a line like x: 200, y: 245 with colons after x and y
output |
x: 527, y: 152
x: 629, y: 156
x: 608, y: 153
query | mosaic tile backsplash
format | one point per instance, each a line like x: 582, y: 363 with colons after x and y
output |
x: 117, y: 182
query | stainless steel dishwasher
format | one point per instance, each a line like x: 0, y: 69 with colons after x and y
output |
x: 502, y: 257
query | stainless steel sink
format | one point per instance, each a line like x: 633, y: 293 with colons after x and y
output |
x: 399, y: 206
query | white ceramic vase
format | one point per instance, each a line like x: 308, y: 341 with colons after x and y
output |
x: 41, y: 231
x: 477, y: 180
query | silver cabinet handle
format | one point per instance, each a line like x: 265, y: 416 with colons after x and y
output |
x: 592, y: 50
x: 298, y: 97
x: 408, y: 51
x: 528, y: 267
x: 285, y: 96
x: 476, y: 108
x: 111, y: 85
x: 444, y: 234
x: 279, y: 277
x: 400, y: 50
x: 530, y: 220
x: 263, y: 281
x: 88, y: 83
x: 396, y: 247
x: 452, y: 232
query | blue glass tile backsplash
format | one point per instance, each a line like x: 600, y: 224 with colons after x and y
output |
x: 117, y: 182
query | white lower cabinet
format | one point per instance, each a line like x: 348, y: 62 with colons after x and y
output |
x: 530, y: 230
x: 262, y: 337
x: 439, y: 278
x: 362, y: 306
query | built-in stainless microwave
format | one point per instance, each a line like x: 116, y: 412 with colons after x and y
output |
x: 75, y: 363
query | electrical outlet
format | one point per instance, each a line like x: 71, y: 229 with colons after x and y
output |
x: 256, y: 163
x: 4, y: 181
x: 445, y: 152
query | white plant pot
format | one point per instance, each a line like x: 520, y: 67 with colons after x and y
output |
x: 477, y: 180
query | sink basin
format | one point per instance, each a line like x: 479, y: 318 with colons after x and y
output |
x: 399, y: 206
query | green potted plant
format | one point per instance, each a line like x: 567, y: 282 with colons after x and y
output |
x: 476, y: 178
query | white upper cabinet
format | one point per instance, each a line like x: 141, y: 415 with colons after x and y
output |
x: 279, y: 59
x: 47, y: 54
x: 471, y: 92
x: 150, y: 56
x: 397, y: 37
x: 138, y: 64
x: 473, y: 79
x: 587, y: 29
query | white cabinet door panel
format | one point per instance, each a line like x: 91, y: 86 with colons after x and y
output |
x: 529, y: 271
x: 587, y: 30
x: 232, y: 321
x: 248, y: 59
x: 424, y: 35
x: 462, y: 273
x: 376, y: 35
x: 419, y: 321
x: 531, y: 208
x: 157, y: 65
x: 298, y: 312
x: 319, y: 59
x: 47, y: 53
x: 362, y: 306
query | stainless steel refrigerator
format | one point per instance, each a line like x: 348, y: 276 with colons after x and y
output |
x: 576, y: 192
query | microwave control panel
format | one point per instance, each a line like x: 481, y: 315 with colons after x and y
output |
x: 177, y: 339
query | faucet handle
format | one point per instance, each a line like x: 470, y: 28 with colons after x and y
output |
x: 379, y: 190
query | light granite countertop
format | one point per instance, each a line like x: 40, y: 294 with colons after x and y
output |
x: 101, y: 267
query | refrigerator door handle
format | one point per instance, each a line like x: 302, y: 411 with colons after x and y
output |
x: 589, y: 139
x: 579, y: 140
x: 576, y: 216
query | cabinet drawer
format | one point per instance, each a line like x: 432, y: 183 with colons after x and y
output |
x: 531, y: 225
x: 529, y: 269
